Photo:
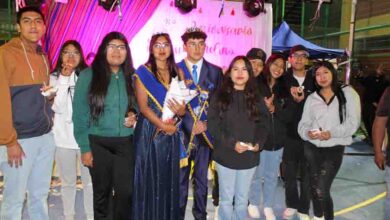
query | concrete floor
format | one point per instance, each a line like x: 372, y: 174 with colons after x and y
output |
x: 358, y: 181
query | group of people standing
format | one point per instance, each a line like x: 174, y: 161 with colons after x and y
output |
x: 137, y: 166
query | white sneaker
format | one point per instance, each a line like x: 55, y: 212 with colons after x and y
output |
x: 289, y: 213
x: 269, y: 214
x: 303, y: 216
x: 253, y: 211
x: 216, y: 212
x: 318, y: 218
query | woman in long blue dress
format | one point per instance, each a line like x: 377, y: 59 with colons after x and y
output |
x: 157, y: 143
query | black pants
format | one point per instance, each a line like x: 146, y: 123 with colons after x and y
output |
x: 294, y: 163
x: 112, y: 176
x: 324, y: 163
x: 368, y: 114
x: 215, y: 191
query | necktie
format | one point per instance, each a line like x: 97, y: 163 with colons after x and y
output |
x: 195, y: 74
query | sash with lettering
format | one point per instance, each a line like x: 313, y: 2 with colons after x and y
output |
x: 156, y: 92
x: 196, y: 102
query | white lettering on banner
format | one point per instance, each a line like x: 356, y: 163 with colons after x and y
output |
x: 232, y: 34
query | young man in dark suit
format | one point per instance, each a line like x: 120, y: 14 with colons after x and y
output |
x: 206, y: 78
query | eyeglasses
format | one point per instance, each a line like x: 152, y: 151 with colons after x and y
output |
x: 70, y: 53
x: 161, y: 45
x: 297, y: 55
x: 193, y: 44
x: 120, y: 47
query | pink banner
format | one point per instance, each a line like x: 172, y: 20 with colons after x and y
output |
x: 232, y: 34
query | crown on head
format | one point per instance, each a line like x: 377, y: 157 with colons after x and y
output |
x: 193, y: 29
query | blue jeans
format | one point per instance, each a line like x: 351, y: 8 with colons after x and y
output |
x: 387, y: 199
x: 33, y: 177
x: 233, y: 184
x: 265, y: 179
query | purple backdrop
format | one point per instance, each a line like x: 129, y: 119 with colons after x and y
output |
x: 87, y: 22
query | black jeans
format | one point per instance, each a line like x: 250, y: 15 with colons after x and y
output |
x: 112, y: 176
x: 368, y: 113
x: 294, y: 163
x: 215, y: 191
x: 324, y: 163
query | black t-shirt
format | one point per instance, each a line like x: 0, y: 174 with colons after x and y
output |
x: 384, y: 111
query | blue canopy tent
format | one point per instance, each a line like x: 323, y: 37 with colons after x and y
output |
x: 283, y: 38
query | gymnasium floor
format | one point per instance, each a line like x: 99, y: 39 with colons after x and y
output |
x: 357, y: 191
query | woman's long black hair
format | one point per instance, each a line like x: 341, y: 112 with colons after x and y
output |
x: 280, y: 87
x: 102, y: 74
x: 336, y: 87
x: 173, y: 71
x: 251, y: 92
x: 82, y: 65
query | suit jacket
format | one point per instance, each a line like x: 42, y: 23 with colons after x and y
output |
x: 210, y: 79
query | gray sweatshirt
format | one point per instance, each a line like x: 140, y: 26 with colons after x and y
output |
x: 317, y: 114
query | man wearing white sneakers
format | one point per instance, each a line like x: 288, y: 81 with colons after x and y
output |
x: 301, y: 84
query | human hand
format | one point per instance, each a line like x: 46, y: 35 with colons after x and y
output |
x: 256, y: 148
x: 176, y: 107
x: 297, y: 93
x: 324, y: 135
x: 314, y: 134
x: 199, y: 127
x: 67, y: 69
x: 87, y: 159
x: 48, y: 91
x: 130, y: 120
x: 239, y: 148
x: 269, y: 102
x: 188, y: 82
x: 380, y: 160
x: 169, y: 128
x: 15, y: 155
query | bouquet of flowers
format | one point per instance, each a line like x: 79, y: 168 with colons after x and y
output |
x: 178, y: 91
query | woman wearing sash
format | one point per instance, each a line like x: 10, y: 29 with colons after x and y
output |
x: 157, y: 143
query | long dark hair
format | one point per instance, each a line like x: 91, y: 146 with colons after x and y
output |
x: 82, y: 65
x: 280, y: 88
x: 251, y: 92
x: 170, y: 61
x: 102, y: 74
x: 336, y: 87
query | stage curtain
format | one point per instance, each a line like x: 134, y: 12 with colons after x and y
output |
x: 87, y: 22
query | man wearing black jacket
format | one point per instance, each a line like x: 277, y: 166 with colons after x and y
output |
x: 301, y: 84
